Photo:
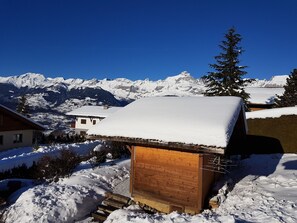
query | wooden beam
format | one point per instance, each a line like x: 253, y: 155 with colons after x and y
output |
x: 129, y: 147
x: 165, y: 145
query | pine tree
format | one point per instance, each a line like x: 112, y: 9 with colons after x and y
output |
x: 22, y: 105
x: 227, y: 79
x: 289, y: 98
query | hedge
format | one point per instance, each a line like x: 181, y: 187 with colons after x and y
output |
x: 272, y: 135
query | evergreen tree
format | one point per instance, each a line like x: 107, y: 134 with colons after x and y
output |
x: 289, y: 98
x: 23, y: 107
x: 227, y: 79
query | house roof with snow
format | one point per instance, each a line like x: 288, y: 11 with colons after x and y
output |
x: 261, y: 95
x: 21, y: 118
x: 272, y: 113
x: 179, y: 122
x: 94, y: 111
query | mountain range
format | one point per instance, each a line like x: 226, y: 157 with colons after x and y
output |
x: 56, y: 96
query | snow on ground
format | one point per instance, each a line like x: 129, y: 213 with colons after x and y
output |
x: 70, y: 199
x: 265, y: 191
x: 67, y: 200
x: 27, y: 155
x: 272, y: 113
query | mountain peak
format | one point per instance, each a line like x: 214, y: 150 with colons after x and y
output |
x: 180, y: 77
x: 184, y: 74
x: 277, y: 80
x: 30, y: 75
x: 27, y: 80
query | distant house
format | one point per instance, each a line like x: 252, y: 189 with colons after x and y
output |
x: 88, y: 116
x: 176, y: 145
x: 16, y: 130
x: 262, y: 98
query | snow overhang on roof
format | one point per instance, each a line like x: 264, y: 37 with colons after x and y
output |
x: 94, y: 111
x: 261, y: 95
x: 272, y: 113
x: 181, y: 122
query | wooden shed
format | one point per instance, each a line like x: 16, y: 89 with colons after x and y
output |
x: 176, y: 145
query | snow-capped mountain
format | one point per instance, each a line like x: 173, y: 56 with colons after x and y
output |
x: 275, y: 82
x: 58, y: 95
x: 182, y: 84
x: 50, y: 98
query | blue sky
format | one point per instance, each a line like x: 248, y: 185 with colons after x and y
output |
x: 143, y: 38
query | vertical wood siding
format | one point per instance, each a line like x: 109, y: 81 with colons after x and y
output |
x: 171, y: 176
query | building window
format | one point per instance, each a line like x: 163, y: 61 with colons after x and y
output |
x: 1, y: 119
x: 94, y: 122
x: 1, y: 140
x: 17, y: 138
x: 83, y: 121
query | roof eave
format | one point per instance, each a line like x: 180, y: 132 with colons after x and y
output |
x: 88, y: 115
x: 161, y: 144
x: 28, y: 121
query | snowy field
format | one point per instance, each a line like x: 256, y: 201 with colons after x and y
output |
x: 16, y: 157
x: 264, y: 191
x: 68, y: 200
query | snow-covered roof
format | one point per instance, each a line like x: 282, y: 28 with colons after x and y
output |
x: 260, y: 95
x: 272, y: 113
x: 94, y: 111
x: 203, y: 121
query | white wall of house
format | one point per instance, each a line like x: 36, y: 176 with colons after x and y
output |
x: 85, y: 123
x: 14, y: 139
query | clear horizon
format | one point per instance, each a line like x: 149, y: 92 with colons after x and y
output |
x: 170, y: 75
x: 143, y: 39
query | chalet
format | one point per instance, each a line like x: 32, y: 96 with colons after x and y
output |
x: 176, y: 145
x: 16, y: 130
x: 262, y: 98
x: 88, y: 116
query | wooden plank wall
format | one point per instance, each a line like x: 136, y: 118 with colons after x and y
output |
x: 10, y: 123
x: 168, y: 175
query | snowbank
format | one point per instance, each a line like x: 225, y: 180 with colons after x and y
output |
x: 265, y: 192
x: 70, y: 199
x: 272, y: 113
x: 27, y: 155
